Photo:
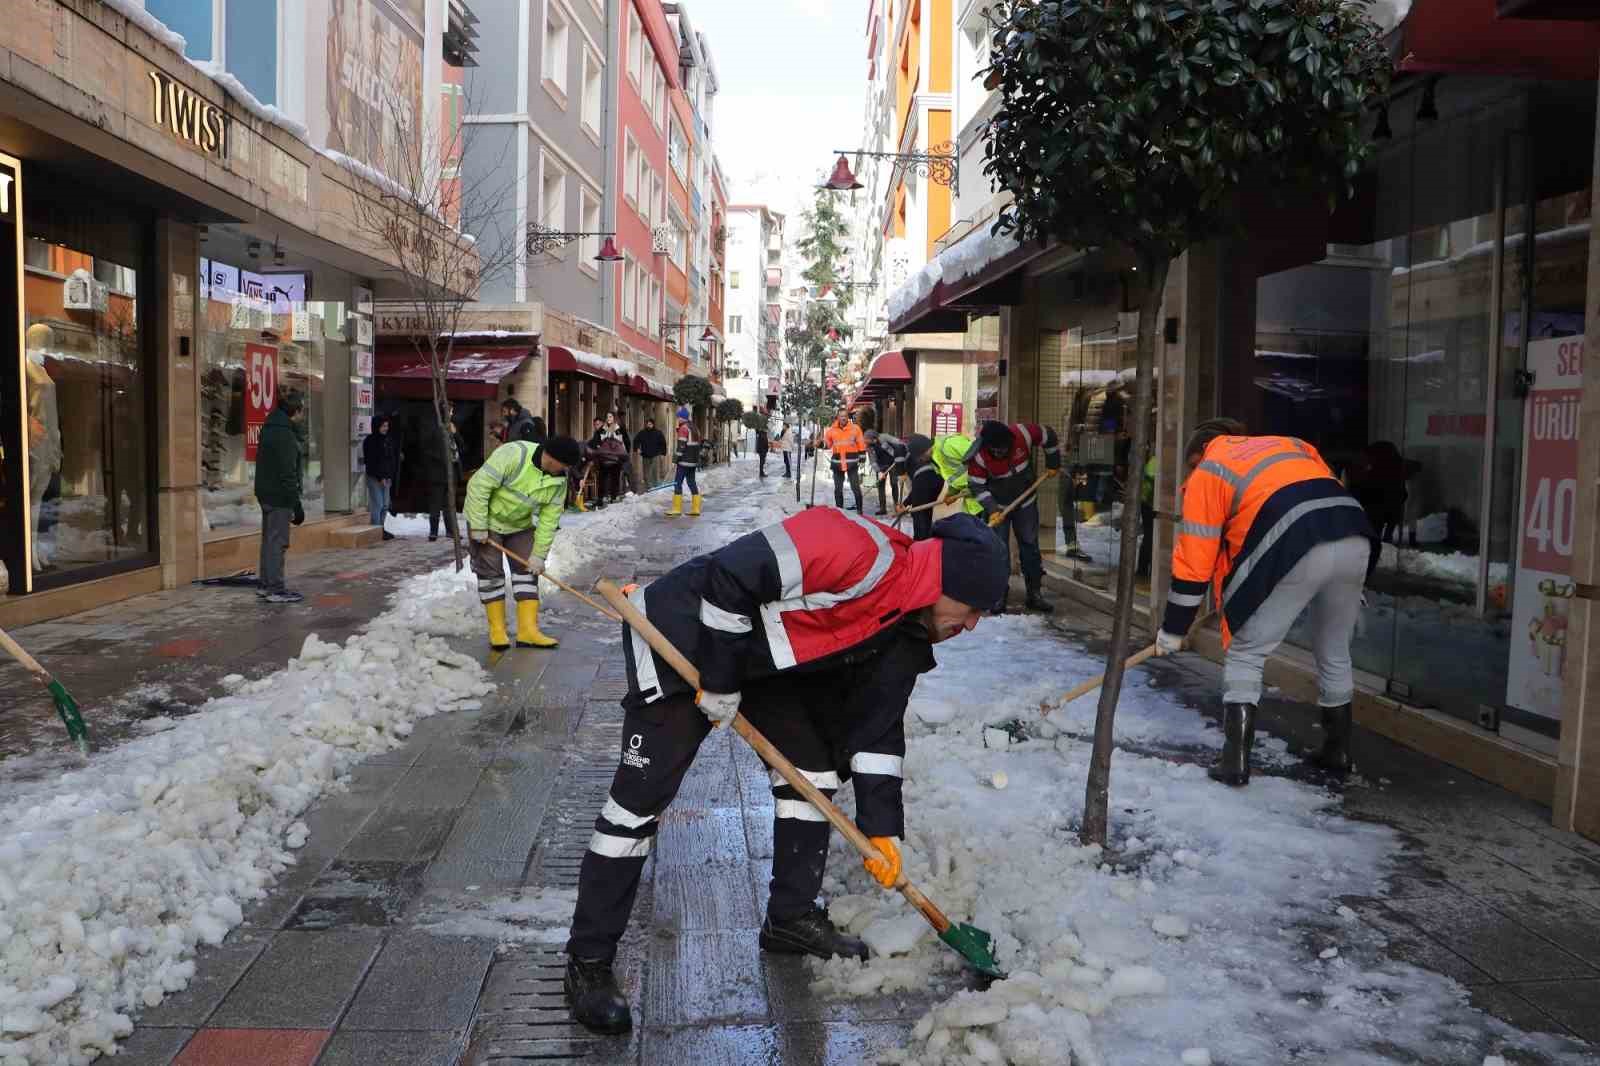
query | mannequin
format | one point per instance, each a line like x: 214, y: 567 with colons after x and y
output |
x: 44, y: 432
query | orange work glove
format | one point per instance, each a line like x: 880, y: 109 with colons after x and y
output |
x: 995, y: 519
x: 886, y: 871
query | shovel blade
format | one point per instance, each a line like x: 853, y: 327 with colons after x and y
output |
x: 974, y: 945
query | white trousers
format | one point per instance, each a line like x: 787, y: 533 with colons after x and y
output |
x: 1328, y: 579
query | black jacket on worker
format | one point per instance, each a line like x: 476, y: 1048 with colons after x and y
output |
x: 380, y: 455
x: 889, y: 453
x: 650, y: 443
x: 927, y: 484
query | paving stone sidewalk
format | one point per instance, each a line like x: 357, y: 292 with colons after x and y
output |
x: 402, y: 937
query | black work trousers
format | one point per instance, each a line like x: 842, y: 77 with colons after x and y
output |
x: 892, y: 481
x: 1024, y: 523
x: 840, y: 471
x: 440, y: 505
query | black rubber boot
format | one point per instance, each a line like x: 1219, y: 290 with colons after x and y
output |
x: 810, y: 934
x: 1238, y: 734
x: 1037, y: 602
x: 597, y: 1003
x: 1335, y: 754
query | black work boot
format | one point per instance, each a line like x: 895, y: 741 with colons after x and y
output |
x: 1335, y: 753
x: 810, y: 934
x: 1037, y: 602
x: 597, y: 1003
x: 1238, y: 734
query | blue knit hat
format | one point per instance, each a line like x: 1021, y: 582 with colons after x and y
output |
x: 975, y: 566
x: 683, y: 413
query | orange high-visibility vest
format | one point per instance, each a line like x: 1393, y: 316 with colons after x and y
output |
x: 849, y: 443
x: 1251, y: 510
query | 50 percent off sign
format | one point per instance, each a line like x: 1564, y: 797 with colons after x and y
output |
x: 260, y: 393
x: 1544, y: 585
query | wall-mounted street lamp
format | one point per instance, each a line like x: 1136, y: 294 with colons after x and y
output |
x: 543, y: 239
x: 707, y: 337
x: 940, y: 166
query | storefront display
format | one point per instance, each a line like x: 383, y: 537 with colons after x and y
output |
x: 261, y: 337
x: 86, y: 382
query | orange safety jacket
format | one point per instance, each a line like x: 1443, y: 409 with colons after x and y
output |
x: 848, y: 445
x: 1251, y: 511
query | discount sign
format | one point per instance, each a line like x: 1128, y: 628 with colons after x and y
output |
x: 260, y: 393
x: 1544, y: 585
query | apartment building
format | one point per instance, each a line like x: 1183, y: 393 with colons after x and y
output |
x: 755, y: 303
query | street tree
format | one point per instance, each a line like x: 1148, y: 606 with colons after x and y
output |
x: 1143, y: 126
x: 403, y: 204
x: 815, y: 343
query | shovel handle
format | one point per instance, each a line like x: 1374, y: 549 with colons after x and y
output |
x: 1095, y: 682
x: 556, y: 581
x: 28, y: 662
x: 773, y: 757
x: 1028, y: 495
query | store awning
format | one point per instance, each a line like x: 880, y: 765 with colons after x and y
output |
x: 1467, y: 37
x: 979, y: 273
x: 639, y: 385
x: 472, y: 375
x: 576, y: 361
x: 889, y: 368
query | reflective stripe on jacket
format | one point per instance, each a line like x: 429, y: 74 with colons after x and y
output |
x: 1013, y: 473
x: 848, y: 445
x: 509, y: 487
x: 1251, y: 510
x: 950, y: 456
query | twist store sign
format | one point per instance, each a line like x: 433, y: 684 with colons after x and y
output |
x: 1544, y: 586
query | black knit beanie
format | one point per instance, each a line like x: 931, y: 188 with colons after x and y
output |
x: 974, y: 563
x: 917, y: 444
x: 563, y: 450
x: 995, y: 435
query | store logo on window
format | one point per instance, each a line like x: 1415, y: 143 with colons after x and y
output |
x: 188, y: 115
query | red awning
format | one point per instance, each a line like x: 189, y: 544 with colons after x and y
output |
x: 1466, y: 37
x: 639, y: 385
x: 575, y: 361
x: 889, y: 368
x: 403, y: 371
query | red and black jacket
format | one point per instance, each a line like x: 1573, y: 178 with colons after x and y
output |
x: 996, y: 482
x: 811, y: 593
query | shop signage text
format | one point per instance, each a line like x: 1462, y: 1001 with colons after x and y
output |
x: 260, y: 394
x: 1543, y: 591
x: 188, y: 116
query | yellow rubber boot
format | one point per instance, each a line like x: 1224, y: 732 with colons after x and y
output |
x: 528, y: 635
x: 498, y: 639
x: 677, y: 505
x: 694, y: 506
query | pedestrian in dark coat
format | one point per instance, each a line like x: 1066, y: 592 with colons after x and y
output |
x: 652, y: 446
x: 380, y: 454
x: 761, y: 449
x: 441, y: 458
x: 278, y: 488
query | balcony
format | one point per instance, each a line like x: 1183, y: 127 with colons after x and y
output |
x: 774, y: 277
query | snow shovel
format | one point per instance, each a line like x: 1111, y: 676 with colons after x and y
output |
x: 556, y: 581
x: 1128, y: 664
x: 66, y: 706
x: 902, y: 511
x: 971, y: 943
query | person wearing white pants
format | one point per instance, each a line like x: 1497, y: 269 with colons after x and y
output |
x: 1268, y: 531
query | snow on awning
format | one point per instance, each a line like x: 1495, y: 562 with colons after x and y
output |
x: 639, y: 385
x: 601, y: 367
x: 936, y: 298
x: 405, y: 371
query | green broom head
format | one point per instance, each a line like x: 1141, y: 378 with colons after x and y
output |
x: 974, y: 945
x: 67, y: 708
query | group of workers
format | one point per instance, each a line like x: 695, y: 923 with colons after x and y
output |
x: 817, y: 628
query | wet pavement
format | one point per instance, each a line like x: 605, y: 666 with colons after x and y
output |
x: 424, y: 921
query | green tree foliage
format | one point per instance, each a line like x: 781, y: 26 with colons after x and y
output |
x: 1144, y: 126
x: 730, y: 410
x: 756, y: 419
x: 823, y: 328
x: 693, y: 391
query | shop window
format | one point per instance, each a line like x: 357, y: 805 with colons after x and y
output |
x: 261, y: 338
x: 89, y: 393
x: 251, y: 46
x: 190, y: 19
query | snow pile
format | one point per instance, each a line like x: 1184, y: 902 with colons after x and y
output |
x: 604, y: 363
x: 111, y: 874
x: 247, y: 99
x: 1212, y: 930
x: 134, y: 12
x: 1451, y: 568
x: 961, y: 260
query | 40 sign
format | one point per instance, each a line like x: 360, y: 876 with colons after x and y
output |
x: 1544, y: 587
x: 260, y: 393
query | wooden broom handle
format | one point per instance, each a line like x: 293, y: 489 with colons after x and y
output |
x: 28, y: 662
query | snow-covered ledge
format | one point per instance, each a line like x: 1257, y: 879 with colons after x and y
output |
x: 964, y: 259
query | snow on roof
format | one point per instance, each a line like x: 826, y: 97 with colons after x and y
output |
x: 499, y: 334
x: 134, y: 12
x: 235, y: 88
x: 602, y: 362
x: 957, y: 262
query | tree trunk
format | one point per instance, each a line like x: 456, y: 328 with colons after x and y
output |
x: 1096, y: 793
x: 440, y: 422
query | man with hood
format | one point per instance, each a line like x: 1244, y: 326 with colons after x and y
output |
x: 1000, y: 472
x: 816, y: 628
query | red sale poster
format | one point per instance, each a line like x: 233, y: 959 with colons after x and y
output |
x: 1549, y: 498
x: 260, y: 393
